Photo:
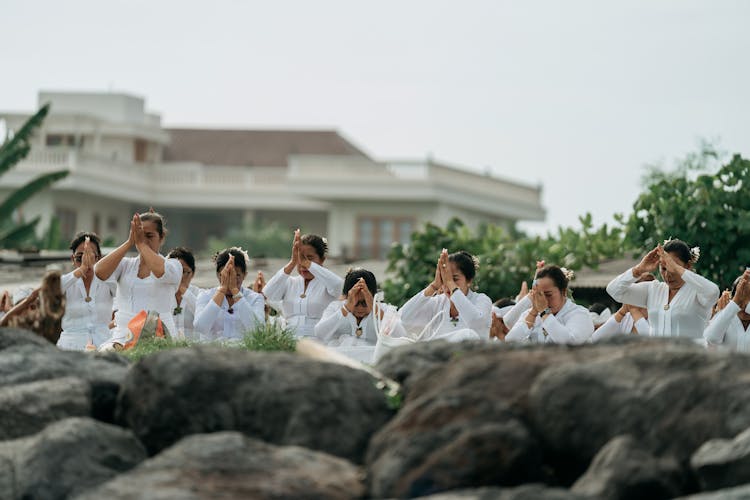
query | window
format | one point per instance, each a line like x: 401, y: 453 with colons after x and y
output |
x: 62, y: 140
x: 67, y: 218
x: 140, y: 150
x: 375, y: 235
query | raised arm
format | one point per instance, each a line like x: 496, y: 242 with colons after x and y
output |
x: 332, y: 324
x: 577, y: 330
x: 107, y: 264
x: 332, y: 281
x: 479, y: 316
x: 719, y: 324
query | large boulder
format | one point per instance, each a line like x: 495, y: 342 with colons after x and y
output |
x: 736, y: 493
x: 280, y: 398
x: 722, y: 463
x: 66, y: 458
x: 231, y: 465
x: 623, y: 470
x: 452, y: 440
x: 27, y: 408
x: 525, y: 492
x: 10, y: 337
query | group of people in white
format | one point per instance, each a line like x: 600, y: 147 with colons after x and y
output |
x: 349, y: 314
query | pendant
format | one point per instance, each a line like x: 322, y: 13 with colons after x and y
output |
x: 230, y: 310
x: 666, y: 307
x: 359, y: 332
x: 303, y: 296
x: 87, y: 299
x: 177, y: 310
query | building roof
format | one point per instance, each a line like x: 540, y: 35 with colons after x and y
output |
x: 603, y: 274
x: 263, y: 148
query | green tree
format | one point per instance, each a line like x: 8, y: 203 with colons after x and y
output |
x: 505, y: 259
x: 708, y: 209
x: 18, y: 233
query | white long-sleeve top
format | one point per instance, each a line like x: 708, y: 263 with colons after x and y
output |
x: 334, y: 328
x: 726, y: 330
x: 474, y: 313
x: 136, y: 294
x: 612, y: 327
x: 685, y: 316
x: 571, y: 325
x: 86, y: 320
x: 217, y: 323
x: 302, y: 309
x: 184, y: 319
x: 517, y: 311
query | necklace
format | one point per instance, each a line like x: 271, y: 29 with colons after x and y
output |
x: 666, y: 307
x: 359, y: 332
x: 88, y: 298
x: 177, y: 310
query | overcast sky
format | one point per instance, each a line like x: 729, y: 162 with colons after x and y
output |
x: 576, y: 95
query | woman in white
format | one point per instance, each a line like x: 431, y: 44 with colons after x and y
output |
x: 448, y: 309
x: 349, y: 321
x: 187, y: 294
x: 679, y: 306
x: 147, y: 282
x: 229, y: 311
x: 729, y: 327
x: 302, y: 299
x: 88, y: 300
x: 629, y: 319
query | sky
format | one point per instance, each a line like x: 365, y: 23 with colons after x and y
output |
x: 574, y: 95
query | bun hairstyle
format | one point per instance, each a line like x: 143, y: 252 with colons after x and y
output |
x: 184, y: 254
x: 241, y: 260
x: 684, y: 252
x: 157, y: 219
x: 319, y: 243
x: 466, y: 263
x: 353, y: 276
x: 559, y: 276
x: 81, y: 236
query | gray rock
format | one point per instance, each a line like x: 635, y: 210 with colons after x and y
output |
x: 722, y: 463
x: 737, y: 493
x: 623, y: 470
x: 280, y: 398
x: 231, y: 465
x: 27, y: 408
x: 10, y: 337
x: 456, y: 439
x: 66, y: 458
x: 525, y: 492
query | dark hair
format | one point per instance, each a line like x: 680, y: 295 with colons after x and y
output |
x: 736, y: 283
x: 556, y: 275
x: 317, y: 242
x: 157, y: 219
x: 505, y: 302
x: 184, y: 254
x: 240, y: 258
x: 466, y: 263
x: 355, y: 274
x: 81, y: 236
x: 597, y: 308
x: 681, y: 249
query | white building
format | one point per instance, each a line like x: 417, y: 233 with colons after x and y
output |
x: 122, y: 160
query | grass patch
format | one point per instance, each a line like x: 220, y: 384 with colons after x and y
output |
x: 147, y: 347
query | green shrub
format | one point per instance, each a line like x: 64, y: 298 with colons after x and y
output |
x: 146, y: 347
x: 270, y: 337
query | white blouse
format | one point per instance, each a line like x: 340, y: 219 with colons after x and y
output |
x: 334, y: 328
x: 474, y: 313
x: 685, y: 316
x: 612, y: 327
x: 136, y: 294
x: 86, y: 320
x: 302, y: 309
x: 726, y: 330
x: 571, y: 325
x: 184, y: 319
x: 217, y: 323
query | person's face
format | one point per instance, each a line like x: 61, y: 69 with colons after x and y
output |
x: 187, y: 274
x: 153, y: 239
x: 673, y: 281
x: 361, y: 309
x: 308, y: 251
x: 77, y: 256
x: 458, y: 277
x: 555, y: 296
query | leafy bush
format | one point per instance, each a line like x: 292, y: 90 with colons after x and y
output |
x: 270, y: 337
x: 147, y: 347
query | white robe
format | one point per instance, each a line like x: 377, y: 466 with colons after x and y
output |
x: 216, y: 323
x: 571, y: 325
x: 136, y: 294
x: 726, y: 330
x: 686, y: 316
x: 612, y: 327
x: 301, y: 314
x: 335, y: 329
x: 84, y: 321
x: 474, y: 313
x: 184, y: 319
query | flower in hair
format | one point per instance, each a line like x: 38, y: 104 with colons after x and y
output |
x: 568, y: 273
x: 667, y: 241
x: 695, y: 254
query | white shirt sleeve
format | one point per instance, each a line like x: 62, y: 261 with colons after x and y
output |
x: 719, y: 324
x: 206, y: 311
x: 577, y: 329
x: 479, y: 316
x: 517, y: 311
x: 625, y: 290
x: 609, y: 329
x: 332, y: 281
x: 332, y: 324
x: 67, y: 280
x: 707, y: 292
x: 418, y: 311
x: 189, y: 299
x: 249, y: 310
x: 276, y: 286
x: 172, y: 272
x: 642, y: 326
x: 520, y: 332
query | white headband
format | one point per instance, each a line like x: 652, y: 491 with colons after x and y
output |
x: 501, y: 311
x: 601, y: 318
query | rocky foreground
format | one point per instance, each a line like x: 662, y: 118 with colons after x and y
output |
x: 633, y: 419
